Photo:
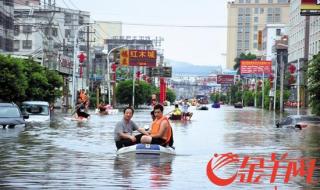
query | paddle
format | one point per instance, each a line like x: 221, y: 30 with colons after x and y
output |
x: 76, y: 108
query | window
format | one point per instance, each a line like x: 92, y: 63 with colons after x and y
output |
x: 255, y: 36
x: 256, y: 19
x: 241, y: 1
x: 26, y: 44
x: 256, y: 10
x: 16, y: 45
x: 255, y: 45
x: 261, y: 10
x: 67, y: 33
x: 270, y: 1
x: 248, y: 1
x: 55, y: 32
x: 67, y: 18
x: 81, y: 20
x: 27, y: 29
x: 256, y: 1
x: 16, y: 30
x: 282, y: 1
x: 255, y: 28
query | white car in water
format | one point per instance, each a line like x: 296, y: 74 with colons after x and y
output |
x: 38, y: 111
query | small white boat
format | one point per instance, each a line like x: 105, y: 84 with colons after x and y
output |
x: 146, y: 149
x: 82, y: 119
x: 108, y: 111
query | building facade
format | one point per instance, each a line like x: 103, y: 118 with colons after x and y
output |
x: 245, y: 19
x: 6, y: 26
x: 47, y: 34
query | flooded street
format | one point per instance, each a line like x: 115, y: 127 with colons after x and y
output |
x: 66, y: 154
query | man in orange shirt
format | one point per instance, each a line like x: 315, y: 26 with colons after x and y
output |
x: 161, y: 131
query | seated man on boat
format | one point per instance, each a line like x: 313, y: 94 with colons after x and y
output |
x: 80, y: 110
x: 123, y: 130
x: 176, y: 113
x: 186, y: 115
x: 161, y: 131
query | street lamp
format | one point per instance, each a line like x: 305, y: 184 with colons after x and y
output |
x: 75, y: 48
x: 105, y: 51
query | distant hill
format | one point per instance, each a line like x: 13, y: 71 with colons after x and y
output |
x: 184, y: 68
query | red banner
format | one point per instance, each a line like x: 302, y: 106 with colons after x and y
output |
x: 255, y: 67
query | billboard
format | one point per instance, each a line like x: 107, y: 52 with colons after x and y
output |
x: 255, y: 67
x: 225, y: 79
x: 133, y: 57
x: 160, y: 72
x: 310, y: 8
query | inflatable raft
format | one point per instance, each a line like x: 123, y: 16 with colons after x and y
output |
x: 146, y: 149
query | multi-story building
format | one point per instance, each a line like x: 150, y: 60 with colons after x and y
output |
x: 245, y: 19
x: 270, y: 34
x: 47, y: 33
x: 6, y: 26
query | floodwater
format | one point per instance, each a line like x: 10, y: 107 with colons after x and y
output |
x: 66, y: 154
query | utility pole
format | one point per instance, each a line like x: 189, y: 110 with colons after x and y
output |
x: 281, y: 81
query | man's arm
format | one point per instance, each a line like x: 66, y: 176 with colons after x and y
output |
x: 143, y: 131
x: 127, y: 136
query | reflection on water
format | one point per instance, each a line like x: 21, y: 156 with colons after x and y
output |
x: 156, y: 168
x: 66, y: 154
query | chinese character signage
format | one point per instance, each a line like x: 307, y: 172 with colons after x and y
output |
x: 249, y: 67
x: 310, y: 7
x: 160, y: 72
x: 124, y: 57
x: 225, y: 79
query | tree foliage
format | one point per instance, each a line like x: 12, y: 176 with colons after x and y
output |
x: 13, y: 80
x: 314, y: 84
x: 243, y: 56
x: 23, y: 79
x: 143, y: 92
x: 124, y: 92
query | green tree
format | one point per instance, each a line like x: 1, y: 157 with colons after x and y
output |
x: 243, y: 56
x: 13, y: 81
x: 142, y: 92
x: 171, y: 96
x: 43, y: 84
x: 24, y: 79
x: 314, y: 84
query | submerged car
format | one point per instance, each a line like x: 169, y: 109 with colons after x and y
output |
x: 11, y: 116
x: 299, y: 121
x: 38, y: 111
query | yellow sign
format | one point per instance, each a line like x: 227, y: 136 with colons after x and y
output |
x: 124, y: 57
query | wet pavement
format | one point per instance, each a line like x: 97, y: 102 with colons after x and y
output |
x: 66, y: 154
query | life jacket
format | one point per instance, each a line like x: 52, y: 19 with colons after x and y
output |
x: 156, y: 127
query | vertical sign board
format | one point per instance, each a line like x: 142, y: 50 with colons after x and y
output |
x: 254, y: 67
x: 310, y: 8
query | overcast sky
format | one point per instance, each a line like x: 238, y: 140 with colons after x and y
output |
x: 196, y: 45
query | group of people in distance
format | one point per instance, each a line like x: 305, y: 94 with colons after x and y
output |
x: 160, y: 132
x: 183, y: 114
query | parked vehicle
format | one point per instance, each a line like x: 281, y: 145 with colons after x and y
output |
x: 238, y: 105
x: 11, y: 116
x: 299, y: 121
x: 38, y: 111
